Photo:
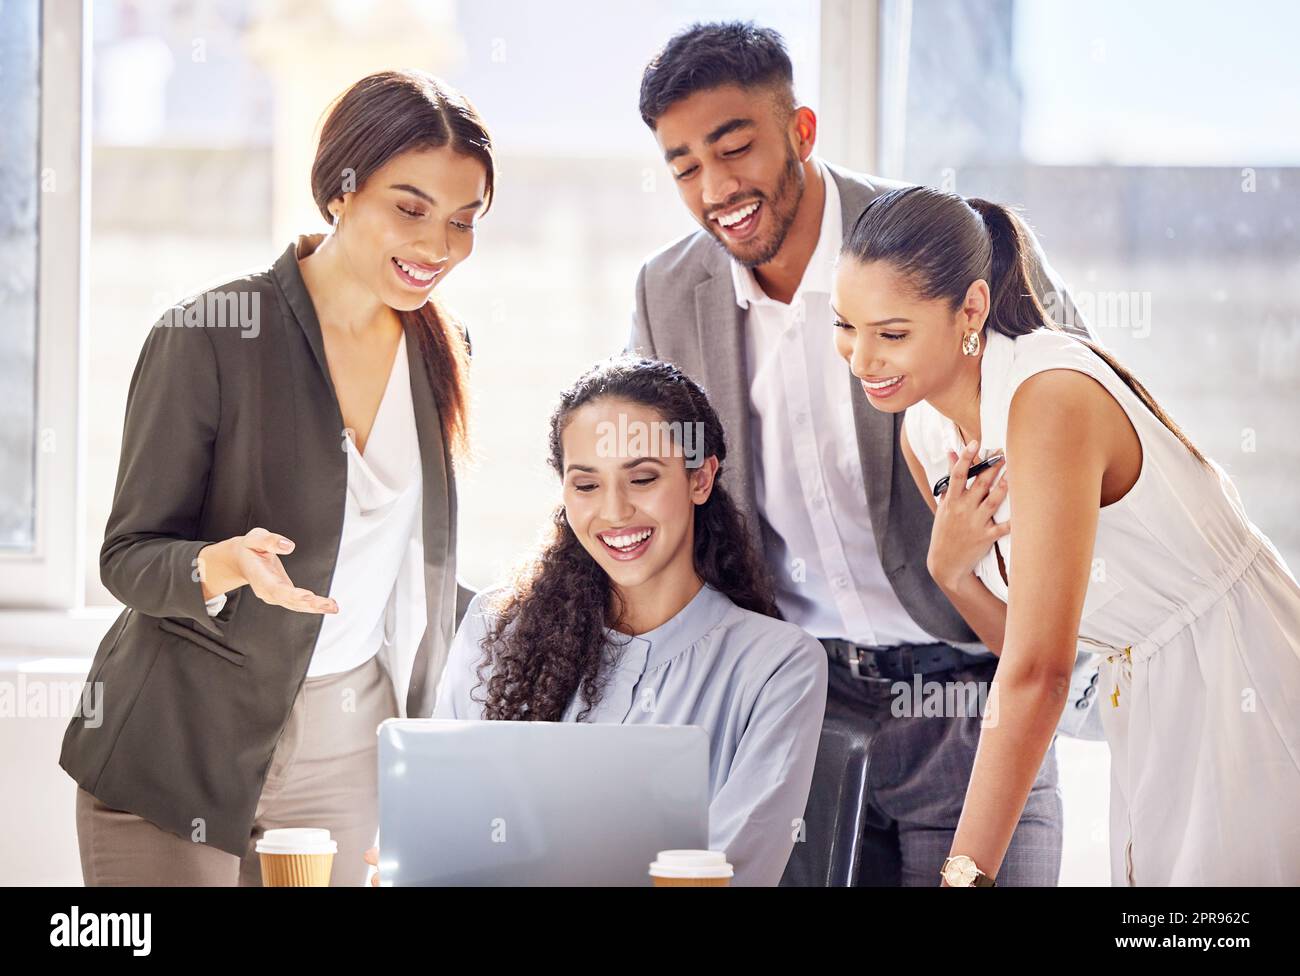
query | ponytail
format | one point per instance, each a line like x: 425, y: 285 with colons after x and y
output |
x: 444, y: 349
x: 1014, y: 309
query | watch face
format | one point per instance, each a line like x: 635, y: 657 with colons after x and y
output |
x: 960, y: 872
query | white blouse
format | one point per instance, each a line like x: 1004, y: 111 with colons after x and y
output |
x: 381, y: 517
x: 808, y: 477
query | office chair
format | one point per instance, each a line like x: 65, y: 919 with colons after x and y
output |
x: 834, y: 851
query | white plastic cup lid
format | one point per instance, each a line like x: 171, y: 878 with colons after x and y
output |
x: 691, y: 864
x: 297, y: 840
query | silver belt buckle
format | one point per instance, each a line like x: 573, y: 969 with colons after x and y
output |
x: 856, y: 665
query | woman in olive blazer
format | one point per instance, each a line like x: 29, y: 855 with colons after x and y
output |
x: 233, y: 441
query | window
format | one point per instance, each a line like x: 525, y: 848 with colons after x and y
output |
x: 43, y: 201
x: 20, y: 101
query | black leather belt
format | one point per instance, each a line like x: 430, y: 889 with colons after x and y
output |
x: 897, y: 662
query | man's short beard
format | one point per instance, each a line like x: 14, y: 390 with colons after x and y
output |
x: 791, y: 182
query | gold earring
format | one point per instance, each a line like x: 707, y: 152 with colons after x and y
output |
x: 970, y: 344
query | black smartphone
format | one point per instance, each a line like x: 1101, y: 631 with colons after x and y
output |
x: 941, y: 485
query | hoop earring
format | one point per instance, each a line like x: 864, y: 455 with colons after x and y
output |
x: 970, y: 344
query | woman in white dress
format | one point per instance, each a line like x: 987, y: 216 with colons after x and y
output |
x: 1127, y: 541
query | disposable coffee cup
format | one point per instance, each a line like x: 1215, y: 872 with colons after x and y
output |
x: 296, y: 857
x: 690, y: 869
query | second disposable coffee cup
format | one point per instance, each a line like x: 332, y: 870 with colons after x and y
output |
x: 690, y: 869
x: 296, y: 857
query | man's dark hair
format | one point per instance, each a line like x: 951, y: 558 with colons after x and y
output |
x: 705, y: 56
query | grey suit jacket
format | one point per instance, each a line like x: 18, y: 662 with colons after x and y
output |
x: 228, y: 428
x: 686, y: 313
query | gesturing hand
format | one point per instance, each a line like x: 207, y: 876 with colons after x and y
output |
x: 257, y: 558
x: 964, y: 529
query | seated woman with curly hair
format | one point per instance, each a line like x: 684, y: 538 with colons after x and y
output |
x: 648, y: 604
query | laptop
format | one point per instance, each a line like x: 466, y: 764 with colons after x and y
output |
x: 465, y: 802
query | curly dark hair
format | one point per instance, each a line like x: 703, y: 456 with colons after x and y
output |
x: 547, y: 641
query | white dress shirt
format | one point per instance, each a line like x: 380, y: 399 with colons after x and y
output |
x: 381, y: 522
x: 808, y: 478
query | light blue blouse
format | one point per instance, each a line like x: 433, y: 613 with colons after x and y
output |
x: 756, y: 685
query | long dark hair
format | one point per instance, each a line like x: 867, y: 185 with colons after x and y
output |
x: 547, y: 641
x: 379, y: 117
x: 942, y: 242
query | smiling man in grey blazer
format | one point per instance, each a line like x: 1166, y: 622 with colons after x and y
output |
x: 743, y: 307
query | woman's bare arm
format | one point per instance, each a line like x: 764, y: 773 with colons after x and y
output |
x: 1060, y: 440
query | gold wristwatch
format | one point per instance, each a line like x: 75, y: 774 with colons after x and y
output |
x: 960, y: 872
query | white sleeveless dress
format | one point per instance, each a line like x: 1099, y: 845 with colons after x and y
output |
x: 1198, y: 621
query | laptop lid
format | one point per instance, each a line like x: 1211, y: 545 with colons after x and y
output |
x: 536, y: 803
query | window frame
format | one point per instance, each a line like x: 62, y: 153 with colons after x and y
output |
x: 43, y: 604
x: 850, y: 83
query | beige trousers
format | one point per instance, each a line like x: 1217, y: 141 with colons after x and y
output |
x: 323, y: 773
